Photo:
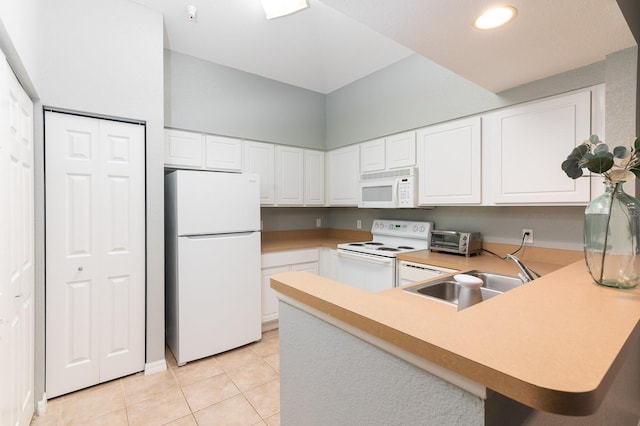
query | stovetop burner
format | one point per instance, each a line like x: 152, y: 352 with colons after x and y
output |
x: 392, y: 237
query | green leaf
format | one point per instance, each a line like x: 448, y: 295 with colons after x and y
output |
x: 600, y: 164
x: 636, y: 171
x: 571, y: 168
x: 579, y: 151
x: 621, y: 152
x: 601, y: 149
x: 636, y: 145
x: 594, y: 139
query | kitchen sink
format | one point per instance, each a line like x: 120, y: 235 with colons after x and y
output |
x: 447, y: 290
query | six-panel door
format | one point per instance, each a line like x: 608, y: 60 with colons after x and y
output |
x: 95, y: 277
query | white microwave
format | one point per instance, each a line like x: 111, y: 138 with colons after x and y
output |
x: 390, y: 189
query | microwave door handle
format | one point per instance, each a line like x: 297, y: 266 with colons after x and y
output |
x: 381, y: 261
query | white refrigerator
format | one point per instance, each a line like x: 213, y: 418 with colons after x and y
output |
x: 212, y: 263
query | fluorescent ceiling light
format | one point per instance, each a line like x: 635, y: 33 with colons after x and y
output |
x: 494, y: 18
x: 278, y: 8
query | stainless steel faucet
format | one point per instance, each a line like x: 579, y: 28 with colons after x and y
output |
x: 527, y: 273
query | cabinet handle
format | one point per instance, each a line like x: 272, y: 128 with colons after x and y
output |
x: 19, y: 295
x: 80, y: 268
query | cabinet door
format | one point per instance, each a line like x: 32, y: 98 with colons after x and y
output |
x: 372, y: 156
x: 449, y: 159
x: 343, y: 176
x: 223, y: 153
x: 259, y: 158
x: 313, y: 177
x: 183, y: 149
x: 401, y: 150
x: 289, y: 180
x: 311, y: 267
x: 528, y: 144
x: 269, y: 298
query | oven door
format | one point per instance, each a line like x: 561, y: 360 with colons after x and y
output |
x: 365, y: 271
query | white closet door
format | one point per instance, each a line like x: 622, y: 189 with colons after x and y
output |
x: 94, y: 251
x: 16, y: 251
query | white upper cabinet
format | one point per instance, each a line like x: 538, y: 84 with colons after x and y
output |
x: 183, y: 149
x: 401, y: 150
x: 527, y: 146
x: 222, y: 153
x: 313, y: 177
x: 449, y: 162
x: 343, y: 174
x: 289, y: 178
x: 259, y: 158
x: 372, y: 156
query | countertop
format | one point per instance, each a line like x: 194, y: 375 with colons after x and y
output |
x: 554, y: 344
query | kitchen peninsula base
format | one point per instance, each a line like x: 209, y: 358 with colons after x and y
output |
x: 330, y: 376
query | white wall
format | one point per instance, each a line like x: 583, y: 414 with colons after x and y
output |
x: 99, y: 57
x: 105, y: 57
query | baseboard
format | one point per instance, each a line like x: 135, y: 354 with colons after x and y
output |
x: 155, y: 367
x: 41, y: 407
x: 270, y: 325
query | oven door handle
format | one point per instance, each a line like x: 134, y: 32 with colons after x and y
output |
x: 366, y: 258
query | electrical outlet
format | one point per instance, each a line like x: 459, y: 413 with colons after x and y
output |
x: 318, y: 223
x: 527, y: 236
x: 358, y: 224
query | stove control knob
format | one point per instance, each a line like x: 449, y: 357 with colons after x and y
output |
x: 415, y: 228
x: 422, y: 228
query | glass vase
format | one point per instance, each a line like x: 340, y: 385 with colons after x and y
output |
x: 611, y: 238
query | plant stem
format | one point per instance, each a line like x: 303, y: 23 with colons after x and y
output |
x: 606, y: 232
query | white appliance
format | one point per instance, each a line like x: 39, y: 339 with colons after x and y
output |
x: 371, y: 265
x: 213, y: 281
x: 410, y: 272
x: 390, y: 189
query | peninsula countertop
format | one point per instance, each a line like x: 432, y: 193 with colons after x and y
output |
x: 554, y: 344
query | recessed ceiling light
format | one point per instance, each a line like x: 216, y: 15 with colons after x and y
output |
x: 278, y: 8
x: 495, y: 17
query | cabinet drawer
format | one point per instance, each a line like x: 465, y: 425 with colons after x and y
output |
x: 290, y: 257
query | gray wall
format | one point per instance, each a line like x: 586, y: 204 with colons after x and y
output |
x: 416, y: 92
x: 368, y: 108
x: 212, y: 98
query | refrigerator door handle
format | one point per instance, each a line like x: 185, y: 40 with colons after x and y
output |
x: 213, y: 236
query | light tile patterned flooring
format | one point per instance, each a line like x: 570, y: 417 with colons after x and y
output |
x: 239, y: 387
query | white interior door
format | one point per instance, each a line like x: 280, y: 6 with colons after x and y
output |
x: 16, y: 252
x: 95, y: 278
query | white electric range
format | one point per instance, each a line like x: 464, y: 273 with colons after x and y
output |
x: 371, y: 265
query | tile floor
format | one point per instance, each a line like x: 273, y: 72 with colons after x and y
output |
x: 239, y: 387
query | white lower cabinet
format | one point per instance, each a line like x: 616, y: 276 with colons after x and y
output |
x: 329, y: 263
x: 283, y: 261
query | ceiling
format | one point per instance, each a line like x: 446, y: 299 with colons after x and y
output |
x: 335, y: 42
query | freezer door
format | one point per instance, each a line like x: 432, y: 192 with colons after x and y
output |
x: 216, y: 202
x: 219, y: 301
